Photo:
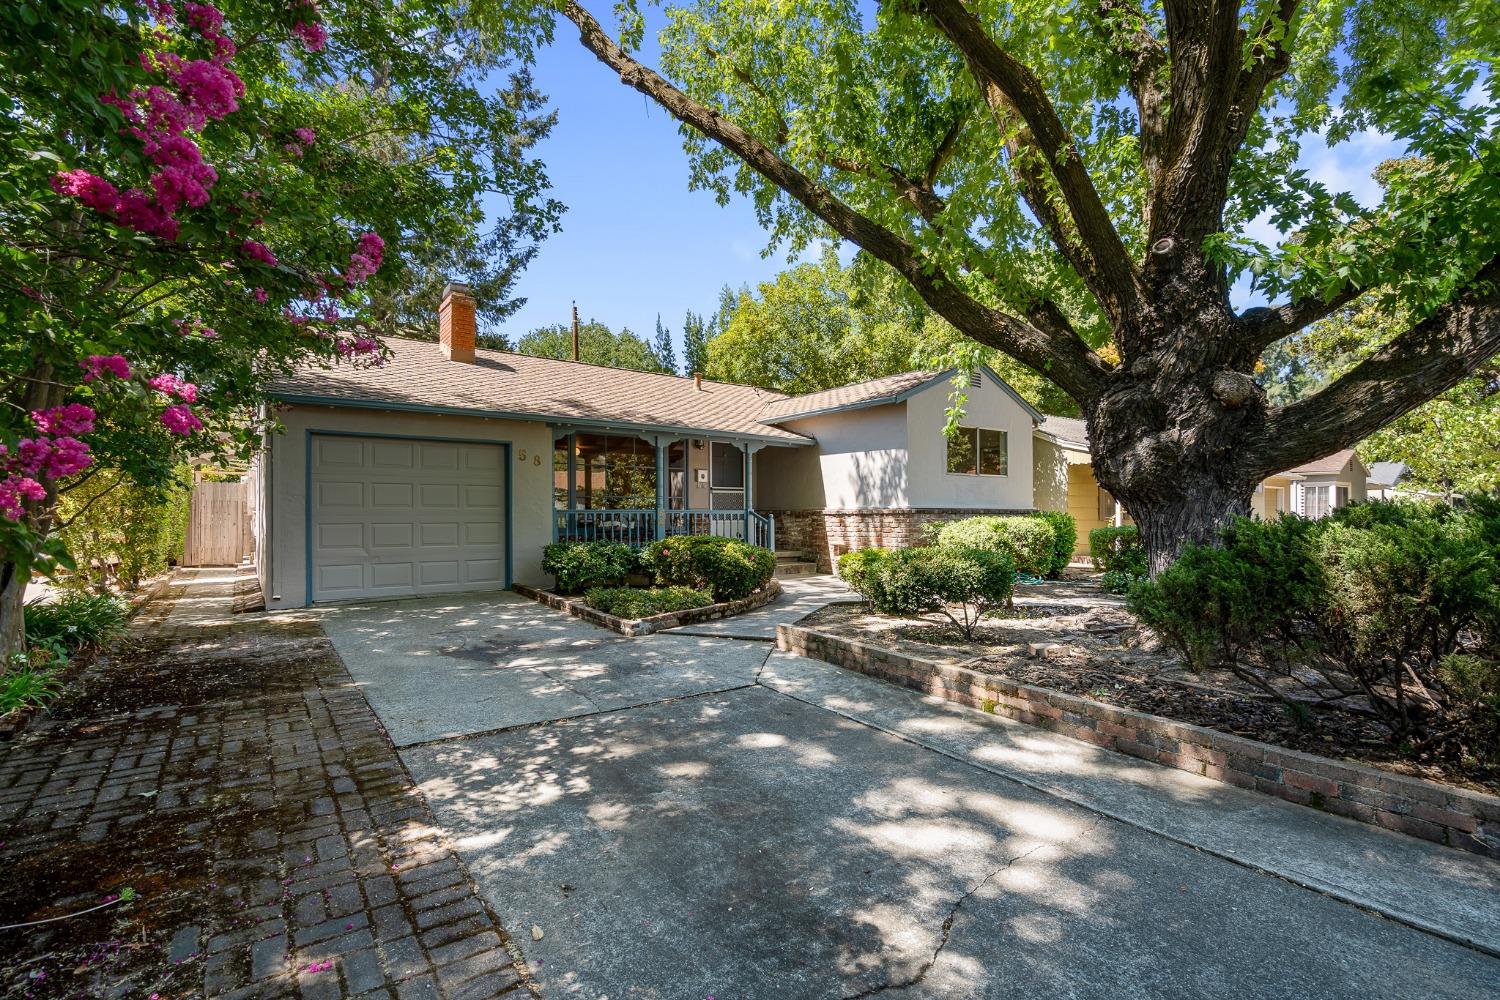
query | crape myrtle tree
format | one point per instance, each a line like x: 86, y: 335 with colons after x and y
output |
x: 193, y: 200
x: 1071, y: 183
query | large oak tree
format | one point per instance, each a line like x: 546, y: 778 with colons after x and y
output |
x: 1071, y: 183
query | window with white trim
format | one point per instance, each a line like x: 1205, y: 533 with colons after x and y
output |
x: 978, y: 451
x: 1316, y: 501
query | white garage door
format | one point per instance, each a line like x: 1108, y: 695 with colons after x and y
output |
x: 393, y: 517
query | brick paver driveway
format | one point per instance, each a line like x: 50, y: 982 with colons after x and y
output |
x: 229, y: 772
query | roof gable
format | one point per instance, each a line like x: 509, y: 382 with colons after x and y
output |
x: 884, y: 391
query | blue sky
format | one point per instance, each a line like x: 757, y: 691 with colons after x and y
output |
x: 636, y: 241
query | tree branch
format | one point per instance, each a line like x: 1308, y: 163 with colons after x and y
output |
x: 1412, y: 368
x: 1108, y: 269
x: 1124, y: 27
x: 1263, y: 326
x: 1068, y: 361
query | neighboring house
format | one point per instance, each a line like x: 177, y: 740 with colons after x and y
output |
x: 449, y: 469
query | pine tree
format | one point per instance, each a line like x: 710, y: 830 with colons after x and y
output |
x: 662, y: 345
x: 694, y: 343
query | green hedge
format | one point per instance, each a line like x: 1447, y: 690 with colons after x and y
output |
x: 1028, y: 541
x: 577, y: 566
x: 726, y: 567
x: 964, y: 585
x: 1064, y: 539
x: 633, y: 602
x: 861, y: 571
x: 1120, y: 554
x: 1402, y: 599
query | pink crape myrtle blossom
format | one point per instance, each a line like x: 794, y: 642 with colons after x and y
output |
x: 74, y: 418
x: 305, y: 135
x: 256, y: 250
x: 15, y: 490
x: 170, y: 385
x: 98, y: 365
x: 180, y: 419
x: 365, y: 260
x: 259, y: 295
x: 313, y: 35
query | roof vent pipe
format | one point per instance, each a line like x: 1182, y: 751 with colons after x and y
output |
x: 698, y: 381
x: 575, y: 331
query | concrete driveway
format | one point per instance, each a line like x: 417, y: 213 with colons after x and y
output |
x: 690, y: 816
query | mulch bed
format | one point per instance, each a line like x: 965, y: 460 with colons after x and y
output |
x: 1099, y: 653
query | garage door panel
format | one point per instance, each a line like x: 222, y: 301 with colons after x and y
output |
x: 439, y: 456
x: 484, y: 571
x: 341, y: 535
x: 396, y: 517
x: 481, y: 533
x: 347, y: 453
x: 391, y: 536
x: 337, y: 493
x: 392, y: 454
x: 389, y: 576
x: 439, y: 495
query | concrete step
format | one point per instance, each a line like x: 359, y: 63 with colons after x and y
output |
x: 792, y: 555
x: 786, y: 568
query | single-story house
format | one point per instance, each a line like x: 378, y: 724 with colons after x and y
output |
x: 448, y: 469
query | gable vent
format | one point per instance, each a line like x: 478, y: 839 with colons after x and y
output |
x: 974, y: 379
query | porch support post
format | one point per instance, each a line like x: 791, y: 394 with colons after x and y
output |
x: 750, y: 450
x: 662, y: 444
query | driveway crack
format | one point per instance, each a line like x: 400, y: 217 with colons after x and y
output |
x: 947, y: 929
x: 558, y: 680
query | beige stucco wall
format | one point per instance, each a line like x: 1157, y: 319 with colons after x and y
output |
x: 988, y: 406
x: 859, y: 461
x: 286, y: 486
x: 1049, y: 474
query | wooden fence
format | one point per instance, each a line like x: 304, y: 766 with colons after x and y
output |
x: 219, y: 532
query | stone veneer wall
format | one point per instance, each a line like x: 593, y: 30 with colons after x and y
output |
x: 828, y: 534
x: 1444, y: 814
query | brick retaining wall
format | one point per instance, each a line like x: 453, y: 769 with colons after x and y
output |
x: 1443, y: 814
x: 827, y: 534
x: 576, y: 607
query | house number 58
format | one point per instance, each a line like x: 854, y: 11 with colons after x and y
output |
x: 535, y: 459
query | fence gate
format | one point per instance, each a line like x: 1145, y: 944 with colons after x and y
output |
x: 219, y: 532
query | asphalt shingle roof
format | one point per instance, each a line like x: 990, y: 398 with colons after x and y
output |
x: 873, y: 392
x: 499, y: 383
x: 1070, y: 430
x: 1325, y: 465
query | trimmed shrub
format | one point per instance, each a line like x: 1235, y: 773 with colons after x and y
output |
x: 1064, y: 538
x: 1216, y: 604
x: 1118, y: 549
x: 633, y: 602
x: 726, y: 567
x: 576, y: 566
x: 964, y: 585
x: 861, y: 571
x: 75, y: 620
x: 1027, y: 541
x: 1399, y: 599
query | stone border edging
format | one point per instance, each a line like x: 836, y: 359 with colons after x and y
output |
x: 1456, y: 817
x: 646, y: 626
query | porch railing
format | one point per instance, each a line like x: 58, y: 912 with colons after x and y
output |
x: 640, y: 527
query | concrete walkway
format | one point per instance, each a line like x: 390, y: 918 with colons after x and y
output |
x: 800, y: 597
x: 698, y: 815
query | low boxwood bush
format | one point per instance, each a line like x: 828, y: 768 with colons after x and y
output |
x: 964, y: 585
x: 1027, y: 540
x: 1218, y: 605
x: 726, y: 567
x: 1064, y: 539
x: 74, y: 620
x: 1395, y: 604
x: 577, y: 566
x: 635, y: 602
x: 1120, y: 554
x: 861, y: 571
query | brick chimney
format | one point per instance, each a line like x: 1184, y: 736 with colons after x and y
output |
x: 456, y: 327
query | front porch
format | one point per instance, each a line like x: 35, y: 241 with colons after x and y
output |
x: 639, y: 488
